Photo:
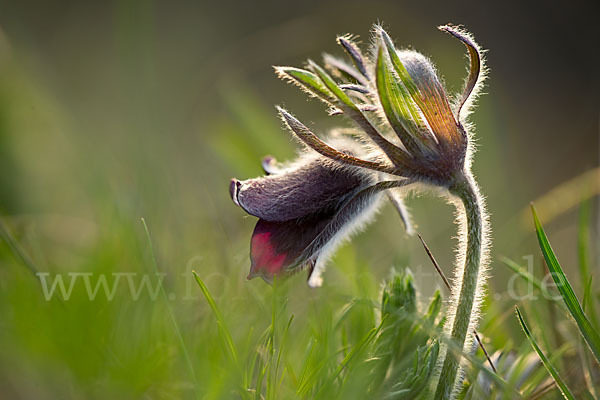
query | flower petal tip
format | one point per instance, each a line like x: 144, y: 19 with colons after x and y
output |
x: 459, y: 33
x: 234, y: 186
x: 315, y: 281
x: 254, y: 274
x: 268, y: 165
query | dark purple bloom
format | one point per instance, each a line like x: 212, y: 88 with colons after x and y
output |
x: 305, y: 209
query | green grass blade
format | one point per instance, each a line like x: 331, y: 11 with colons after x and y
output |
x: 524, y: 274
x: 280, y: 352
x: 585, y: 357
x: 263, y: 371
x: 307, y: 362
x: 480, y: 365
x: 583, y: 242
x: 184, y: 349
x: 218, y: 316
x: 21, y: 255
x: 353, y: 354
x: 531, y: 279
x: 365, y: 341
x: 588, y: 332
x: 559, y: 382
x: 16, y: 250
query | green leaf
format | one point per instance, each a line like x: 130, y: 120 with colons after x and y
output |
x: 397, y: 104
x: 307, y: 80
x: 398, y: 66
x: 427, y: 92
x: 434, y: 307
x: 564, y: 287
x: 414, y: 380
x: 332, y: 86
x: 559, y: 382
x: 355, y: 112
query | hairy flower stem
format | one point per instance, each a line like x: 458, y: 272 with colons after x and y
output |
x: 465, y: 299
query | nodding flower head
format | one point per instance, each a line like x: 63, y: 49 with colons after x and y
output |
x: 406, y: 131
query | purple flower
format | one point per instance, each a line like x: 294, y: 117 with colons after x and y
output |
x: 306, y: 209
x: 408, y: 132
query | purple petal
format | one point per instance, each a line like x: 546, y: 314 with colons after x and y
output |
x: 234, y: 186
x: 270, y: 165
x: 282, y: 248
x: 397, y: 199
x: 352, y: 216
x: 313, y: 185
x: 275, y: 246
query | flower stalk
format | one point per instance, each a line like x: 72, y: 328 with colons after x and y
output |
x: 466, y: 297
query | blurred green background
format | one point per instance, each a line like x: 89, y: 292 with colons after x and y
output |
x: 113, y: 111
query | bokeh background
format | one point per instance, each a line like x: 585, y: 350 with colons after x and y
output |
x: 113, y: 111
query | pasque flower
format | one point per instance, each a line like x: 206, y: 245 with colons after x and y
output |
x: 306, y: 207
x: 406, y: 131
